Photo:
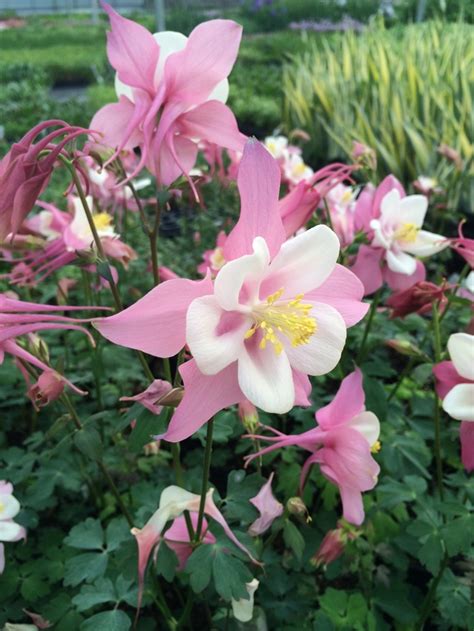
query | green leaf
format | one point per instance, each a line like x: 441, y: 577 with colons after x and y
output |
x: 34, y: 587
x: 117, y: 532
x: 230, y: 576
x: 167, y: 562
x: 293, y: 538
x: 458, y: 535
x: 375, y: 397
x: 240, y: 488
x: 454, y: 601
x: 84, y: 567
x: 115, y: 620
x: 102, y: 591
x: 88, y: 441
x: 88, y: 535
x: 199, y: 568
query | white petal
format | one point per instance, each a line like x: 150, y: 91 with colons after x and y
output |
x: 469, y: 282
x: 9, y: 507
x: 426, y: 244
x: 461, y: 351
x: 248, y: 269
x: 9, y: 531
x: 122, y: 88
x: 459, y: 402
x: 379, y: 239
x: 220, y: 92
x: 243, y: 609
x: 367, y: 424
x: 215, y: 336
x: 400, y: 262
x: 412, y: 209
x: 266, y: 378
x: 389, y: 207
x: 323, y: 351
x: 169, y: 42
x: 305, y: 262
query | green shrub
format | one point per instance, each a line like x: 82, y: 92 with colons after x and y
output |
x: 401, y: 91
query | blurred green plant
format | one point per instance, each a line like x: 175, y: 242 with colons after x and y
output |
x: 403, y: 92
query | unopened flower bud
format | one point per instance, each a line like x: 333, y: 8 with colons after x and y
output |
x: 296, y: 506
x: 249, y: 416
x: 49, y: 387
x: 151, y: 449
x: 364, y: 155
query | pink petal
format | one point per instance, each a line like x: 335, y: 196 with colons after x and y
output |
x: 268, y: 507
x: 364, y: 210
x: 132, y: 51
x: 303, y: 388
x: 400, y: 282
x: 191, y: 74
x: 215, y: 122
x: 343, y: 291
x: 259, y: 184
x: 347, y: 403
x: 466, y: 434
x: 204, y: 396
x: 119, y: 123
x: 149, y: 397
x: 446, y: 378
x: 352, y: 505
x: 174, y: 157
x: 156, y: 324
x: 367, y: 268
x: 297, y: 207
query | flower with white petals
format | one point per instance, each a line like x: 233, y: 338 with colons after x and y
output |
x: 398, y: 231
x: 243, y: 608
x: 459, y: 402
x: 9, y: 508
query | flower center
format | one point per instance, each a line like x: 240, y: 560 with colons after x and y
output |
x: 407, y: 232
x: 2, y: 507
x: 288, y: 317
x: 102, y: 221
x: 376, y: 447
x: 217, y: 259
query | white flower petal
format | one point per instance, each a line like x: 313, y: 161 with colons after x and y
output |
x: 412, y: 209
x: 323, y: 351
x: 9, y: 531
x: 220, y: 92
x: 243, y: 609
x: 305, y: 262
x: 266, y: 378
x: 169, y: 42
x: 367, y: 424
x: 426, y: 244
x: 9, y: 507
x: 215, y: 336
x: 461, y: 351
x: 389, y: 207
x: 401, y: 262
x: 459, y: 402
x: 122, y: 89
x: 248, y: 269
x: 379, y: 239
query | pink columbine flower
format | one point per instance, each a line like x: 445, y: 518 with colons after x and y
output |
x: 25, y: 171
x: 173, y: 502
x: 177, y: 538
x: 341, y: 204
x: 9, y: 530
x: 333, y: 545
x: 48, y: 388
x: 171, y: 91
x: 341, y: 444
x: 18, y: 318
x: 392, y: 221
x: 150, y: 397
x: 455, y: 385
x: 268, y: 507
x: 276, y: 312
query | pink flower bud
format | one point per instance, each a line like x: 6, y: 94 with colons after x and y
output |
x: 49, y: 387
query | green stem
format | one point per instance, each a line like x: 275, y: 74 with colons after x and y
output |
x: 205, y: 478
x: 77, y: 422
x: 437, y: 419
x: 368, y: 326
x: 187, y: 610
x: 178, y: 469
x: 428, y: 602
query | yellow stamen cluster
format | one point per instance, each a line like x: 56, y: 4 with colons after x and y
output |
x: 376, y: 447
x: 217, y: 258
x: 299, y: 169
x: 102, y: 221
x: 407, y: 232
x: 289, y: 317
x: 2, y: 507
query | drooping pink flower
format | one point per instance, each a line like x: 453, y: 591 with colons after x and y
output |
x: 251, y: 333
x: 173, y: 502
x: 49, y: 387
x: 341, y: 444
x: 455, y: 386
x: 464, y: 246
x: 172, y: 91
x: 18, y: 318
x: 177, y: 538
x: 418, y: 298
x: 392, y: 222
x: 150, y: 397
x: 333, y: 545
x: 25, y: 171
x: 9, y: 530
x: 268, y: 507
